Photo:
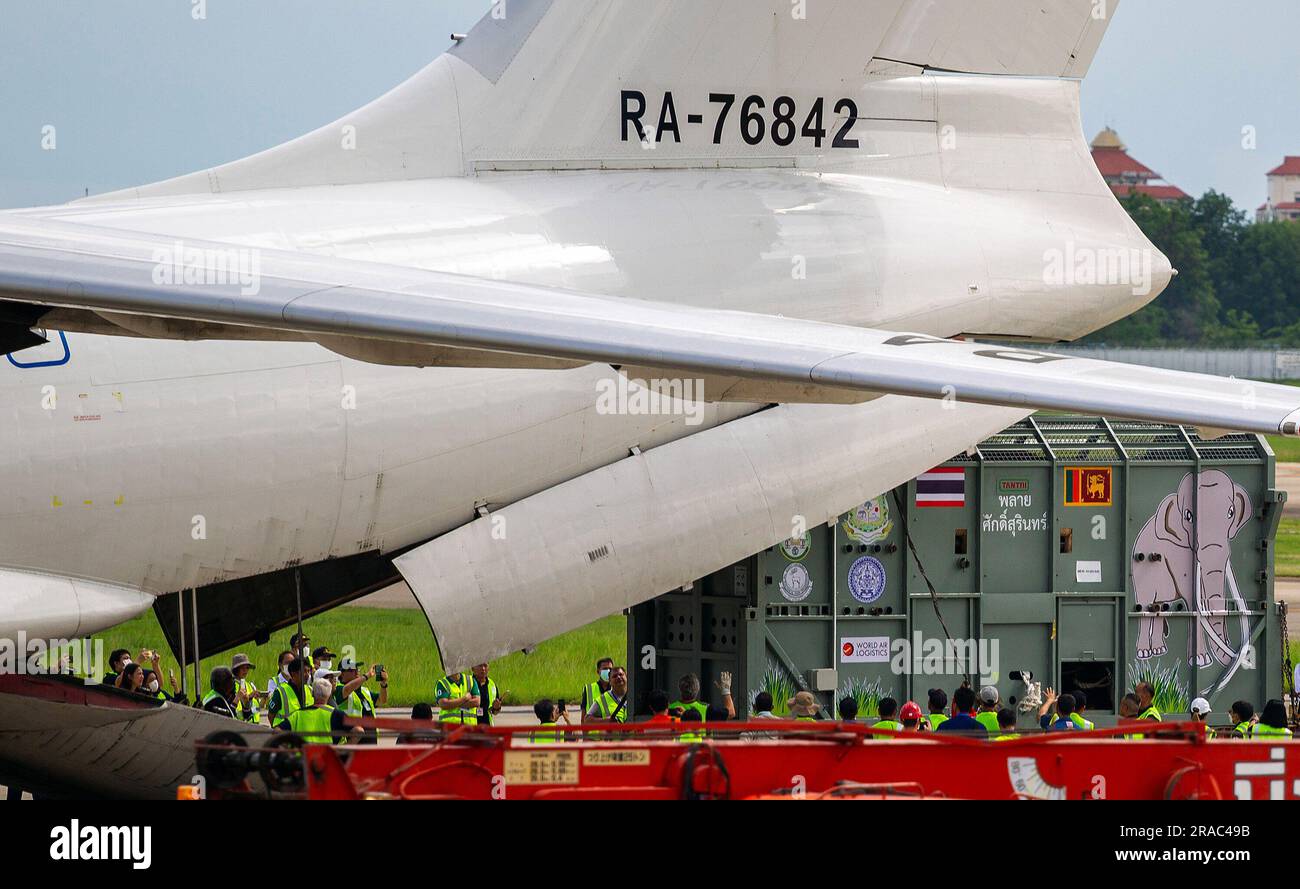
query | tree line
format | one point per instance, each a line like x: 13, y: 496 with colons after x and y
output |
x: 1238, y: 283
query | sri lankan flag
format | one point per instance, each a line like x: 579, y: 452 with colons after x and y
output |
x: 1088, y: 485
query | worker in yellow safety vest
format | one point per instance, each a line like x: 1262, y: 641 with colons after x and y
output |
x: 803, y: 707
x: 1129, y: 707
x: 937, y: 704
x: 301, y: 647
x: 887, y: 709
x: 614, y: 705
x: 1272, y: 722
x: 241, y: 666
x: 456, y: 700
x: 689, y: 689
x: 1200, y: 712
x: 1006, y: 725
x: 987, y: 716
x: 320, y: 723
x: 549, y: 716
x: 691, y: 718
x: 1080, y: 704
x: 489, y: 696
x: 1146, y: 694
x: 222, y: 699
x: 355, y: 700
x: 595, y: 689
x: 292, y: 693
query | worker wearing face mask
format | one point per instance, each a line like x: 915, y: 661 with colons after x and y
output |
x: 596, y: 690
x: 281, y: 673
x: 301, y: 647
x: 323, y: 658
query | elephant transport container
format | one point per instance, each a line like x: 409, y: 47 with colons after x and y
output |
x: 1074, y: 553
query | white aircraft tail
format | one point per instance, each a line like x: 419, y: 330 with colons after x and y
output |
x: 583, y: 84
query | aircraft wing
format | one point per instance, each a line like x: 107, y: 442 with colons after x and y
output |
x: 55, y: 264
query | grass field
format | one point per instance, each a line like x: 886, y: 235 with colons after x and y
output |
x: 402, y: 642
x: 1287, y: 555
x: 1286, y: 449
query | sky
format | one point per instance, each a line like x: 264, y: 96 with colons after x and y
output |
x: 138, y: 90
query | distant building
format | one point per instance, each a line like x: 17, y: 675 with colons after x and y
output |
x: 1283, y: 193
x: 1125, y: 175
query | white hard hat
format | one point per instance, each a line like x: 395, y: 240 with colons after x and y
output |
x: 1201, y: 707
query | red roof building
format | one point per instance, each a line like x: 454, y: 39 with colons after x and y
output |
x: 1125, y: 175
x: 1283, y: 202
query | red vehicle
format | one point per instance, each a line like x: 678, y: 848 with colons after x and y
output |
x: 772, y: 760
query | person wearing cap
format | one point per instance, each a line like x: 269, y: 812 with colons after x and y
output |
x: 291, y: 695
x: 963, y: 720
x: 355, y: 700
x: 489, y: 696
x: 1272, y: 722
x: 454, y: 695
x: 937, y: 701
x: 912, y: 718
x: 988, y: 712
x: 1242, y: 716
x: 1200, y: 712
x: 1077, y: 717
x: 887, y: 709
x: 323, y: 659
x: 301, y: 647
x: 241, y: 666
x: 320, y: 723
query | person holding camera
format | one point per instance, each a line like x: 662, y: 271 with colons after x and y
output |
x: 549, y: 715
x: 355, y: 700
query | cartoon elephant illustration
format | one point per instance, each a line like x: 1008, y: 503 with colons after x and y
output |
x: 1164, y: 565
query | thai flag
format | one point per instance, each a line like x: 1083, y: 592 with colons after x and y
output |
x: 944, y: 487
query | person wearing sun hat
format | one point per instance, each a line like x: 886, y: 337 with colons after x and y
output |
x: 804, y: 707
x: 241, y: 667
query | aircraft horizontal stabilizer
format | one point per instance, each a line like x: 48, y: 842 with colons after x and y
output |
x: 83, y: 267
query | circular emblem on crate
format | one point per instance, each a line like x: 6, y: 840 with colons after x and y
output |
x: 796, y: 548
x: 796, y: 585
x: 867, y: 580
x: 870, y: 522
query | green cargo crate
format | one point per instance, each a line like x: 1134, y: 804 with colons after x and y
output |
x: 1064, y: 548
